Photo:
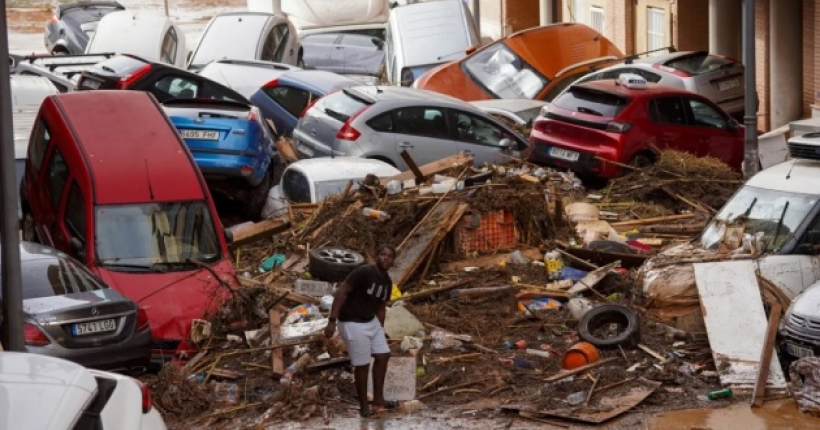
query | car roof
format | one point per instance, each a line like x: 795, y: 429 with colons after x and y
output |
x: 378, y: 93
x: 652, y: 89
x: 320, y: 80
x: 665, y: 58
x: 30, y: 251
x: 512, y: 105
x: 794, y: 176
x: 47, y: 390
x: 333, y: 169
x: 133, y: 152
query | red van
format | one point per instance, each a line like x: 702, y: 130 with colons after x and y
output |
x: 109, y: 181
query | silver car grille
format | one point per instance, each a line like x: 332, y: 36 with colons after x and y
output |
x: 803, y: 328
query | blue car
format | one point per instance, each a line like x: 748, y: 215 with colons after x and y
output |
x: 232, y: 146
x: 285, y: 98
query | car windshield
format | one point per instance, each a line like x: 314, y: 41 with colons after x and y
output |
x: 145, y: 235
x: 700, y: 64
x: 529, y: 115
x: 504, y: 74
x: 775, y: 215
x: 230, y: 36
x: 325, y: 189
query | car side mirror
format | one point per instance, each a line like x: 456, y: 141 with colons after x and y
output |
x: 471, y: 49
x: 76, y: 247
x: 228, y: 236
x: 733, y: 124
x: 505, y: 143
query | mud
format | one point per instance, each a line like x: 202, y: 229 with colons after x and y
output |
x: 780, y: 415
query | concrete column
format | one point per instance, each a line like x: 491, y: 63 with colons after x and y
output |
x: 545, y: 11
x: 785, y: 65
x: 724, y: 27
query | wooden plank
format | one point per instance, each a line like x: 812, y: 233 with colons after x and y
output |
x: 411, y: 164
x: 260, y: 230
x: 419, y: 243
x: 736, y: 338
x: 654, y: 220
x: 766, y: 356
x: 277, y: 362
x: 454, y: 161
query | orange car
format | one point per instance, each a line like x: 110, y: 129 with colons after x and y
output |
x: 537, y: 63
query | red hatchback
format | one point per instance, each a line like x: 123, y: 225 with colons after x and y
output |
x: 623, y: 120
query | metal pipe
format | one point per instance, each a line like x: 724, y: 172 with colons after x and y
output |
x: 545, y: 12
x: 750, y: 156
x: 12, y: 335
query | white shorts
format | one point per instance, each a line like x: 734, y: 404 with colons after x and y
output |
x: 363, y: 340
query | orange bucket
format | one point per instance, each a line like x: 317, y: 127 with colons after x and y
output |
x: 580, y: 354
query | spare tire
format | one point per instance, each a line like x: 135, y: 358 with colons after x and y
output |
x: 608, y: 326
x: 333, y: 264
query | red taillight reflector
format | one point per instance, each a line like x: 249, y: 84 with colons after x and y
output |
x: 271, y: 84
x: 54, y: 19
x: 246, y: 170
x: 142, y: 319
x: 129, y: 80
x: 347, y: 132
x: 34, y: 336
x: 147, y: 404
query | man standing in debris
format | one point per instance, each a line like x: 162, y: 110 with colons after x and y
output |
x: 360, y: 304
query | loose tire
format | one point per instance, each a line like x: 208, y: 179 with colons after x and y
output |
x: 333, y: 264
x: 595, y: 319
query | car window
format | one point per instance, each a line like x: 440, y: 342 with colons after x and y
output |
x: 282, y: 33
x: 340, y: 105
x: 562, y: 85
x: 474, y: 129
x: 215, y: 91
x: 383, y: 123
x: 39, y: 142
x: 592, y: 102
x: 295, y: 187
x: 121, y: 65
x: 504, y: 74
x: 293, y: 100
x: 704, y: 115
x: 273, y: 42
x: 361, y: 41
x: 175, y: 87
x: 810, y: 242
x: 667, y: 110
x: 646, y: 74
x: 168, y: 51
x: 75, y: 212
x: 421, y: 121
x: 46, y: 277
x: 699, y: 64
x: 320, y: 38
x: 57, y: 177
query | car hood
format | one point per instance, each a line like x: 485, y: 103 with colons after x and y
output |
x: 807, y: 304
x: 451, y: 80
x: 171, y: 300
x: 48, y: 392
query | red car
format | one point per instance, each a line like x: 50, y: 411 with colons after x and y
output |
x: 109, y: 181
x: 623, y: 120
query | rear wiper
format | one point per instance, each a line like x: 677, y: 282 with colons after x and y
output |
x: 165, y: 265
x: 780, y: 223
x: 140, y: 267
x: 337, y: 115
x: 589, y: 111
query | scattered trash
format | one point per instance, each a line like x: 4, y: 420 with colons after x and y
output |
x: 516, y: 257
x: 272, y: 262
x: 578, y: 306
x: 805, y: 375
x: 445, y: 340
x: 313, y: 288
x: 720, y: 394
x: 580, y: 354
x: 543, y: 303
x: 375, y: 214
x: 411, y: 342
x: 576, y: 398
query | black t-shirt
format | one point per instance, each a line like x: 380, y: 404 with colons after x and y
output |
x: 370, y: 288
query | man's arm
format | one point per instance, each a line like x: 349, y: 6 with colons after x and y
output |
x: 339, y: 297
x: 381, y: 311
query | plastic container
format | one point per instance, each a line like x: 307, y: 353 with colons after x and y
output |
x: 571, y: 274
x: 720, y: 394
x: 327, y: 302
x: 578, y: 306
x: 553, y: 264
x: 394, y: 187
x: 375, y: 214
x: 580, y: 354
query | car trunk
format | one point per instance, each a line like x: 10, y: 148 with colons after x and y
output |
x: 82, y: 319
x: 716, y: 77
x: 208, y: 126
x: 326, y: 118
x: 583, y: 115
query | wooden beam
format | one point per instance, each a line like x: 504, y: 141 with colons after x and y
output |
x: 654, y: 220
x: 454, y: 161
x: 766, y: 357
x: 260, y: 230
x: 411, y: 164
x: 277, y: 363
x: 567, y: 373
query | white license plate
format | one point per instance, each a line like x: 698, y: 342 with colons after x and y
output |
x: 304, y: 149
x: 798, y: 351
x: 91, y: 83
x: 563, y: 154
x: 728, y: 85
x: 199, y: 134
x: 92, y: 327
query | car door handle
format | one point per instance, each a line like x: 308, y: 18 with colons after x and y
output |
x: 313, y: 132
x: 406, y: 145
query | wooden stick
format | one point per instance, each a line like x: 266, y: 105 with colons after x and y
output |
x: 454, y: 387
x: 654, y: 220
x: 591, y: 390
x: 456, y: 358
x: 431, y: 383
x: 434, y: 291
x: 766, y: 356
x: 567, y: 373
x: 614, y: 384
x: 652, y: 352
x: 411, y: 164
x: 277, y: 363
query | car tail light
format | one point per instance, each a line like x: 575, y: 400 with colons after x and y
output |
x: 246, y: 170
x: 129, y: 80
x: 147, y: 404
x: 142, y: 319
x: 347, y: 132
x: 618, y: 126
x: 34, y: 336
x: 253, y: 115
x: 271, y: 84
x: 672, y: 70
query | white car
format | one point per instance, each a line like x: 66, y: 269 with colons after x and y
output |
x: 365, y: 17
x: 47, y: 393
x: 150, y: 36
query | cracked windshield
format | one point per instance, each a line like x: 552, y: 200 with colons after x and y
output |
x: 504, y: 73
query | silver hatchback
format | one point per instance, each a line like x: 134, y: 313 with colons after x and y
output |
x: 380, y: 122
x: 715, y: 77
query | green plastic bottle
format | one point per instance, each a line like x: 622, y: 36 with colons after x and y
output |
x: 720, y: 394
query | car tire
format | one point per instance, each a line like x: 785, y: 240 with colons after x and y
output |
x: 29, y: 232
x: 640, y: 161
x: 333, y: 264
x: 258, y: 196
x: 596, y: 318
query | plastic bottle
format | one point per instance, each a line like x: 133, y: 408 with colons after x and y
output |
x: 720, y: 394
x: 553, y: 264
x: 375, y: 214
x: 578, y: 306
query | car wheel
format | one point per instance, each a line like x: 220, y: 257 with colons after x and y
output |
x: 608, y: 326
x: 29, y: 232
x: 333, y: 264
x: 640, y: 161
x: 258, y: 196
